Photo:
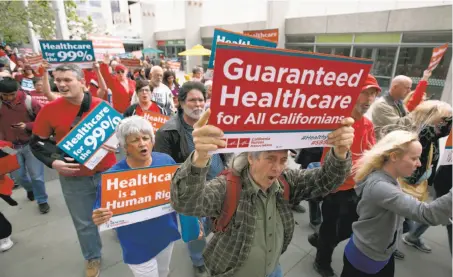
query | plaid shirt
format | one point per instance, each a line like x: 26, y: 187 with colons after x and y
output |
x: 227, y: 252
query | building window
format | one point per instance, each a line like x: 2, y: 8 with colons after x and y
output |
x: 95, y: 3
x: 427, y: 37
x: 324, y: 50
x: 300, y: 48
x: 342, y: 51
x: 300, y: 39
x: 115, y: 6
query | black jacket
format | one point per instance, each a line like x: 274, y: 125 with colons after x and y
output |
x: 171, y: 140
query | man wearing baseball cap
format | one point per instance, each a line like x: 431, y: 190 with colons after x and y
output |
x: 339, y: 207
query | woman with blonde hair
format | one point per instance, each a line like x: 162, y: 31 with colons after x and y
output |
x: 383, y: 205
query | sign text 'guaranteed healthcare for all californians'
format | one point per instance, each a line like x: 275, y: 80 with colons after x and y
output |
x: 267, y: 99
x: 56, y: 52
x: 136, y: 195
x: 85, y: 140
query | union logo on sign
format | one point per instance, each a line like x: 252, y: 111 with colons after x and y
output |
x: 232, y: 143
x: 244, y: 142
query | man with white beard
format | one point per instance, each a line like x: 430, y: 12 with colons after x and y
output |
x: 175, y: 139
x: 161, y: 93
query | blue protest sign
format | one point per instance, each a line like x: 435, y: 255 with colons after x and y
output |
x: 27, y: 84
x: 57, y: 52
x: 84, y: 141
x: 225, y: 36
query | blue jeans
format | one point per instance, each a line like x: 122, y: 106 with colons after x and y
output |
x: 278, y: 272
x: 80, y: 194
x: 196, y: 247
x: 30, y: 175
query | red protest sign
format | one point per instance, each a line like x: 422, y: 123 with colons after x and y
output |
x: 156, y: 119
x: 34, y: 60
x: 133, y: 63
x: 136, y: 195
x: 267, y: 99
x: 437, y: 55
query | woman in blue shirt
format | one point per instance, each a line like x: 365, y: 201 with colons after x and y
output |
x: 146, y: 245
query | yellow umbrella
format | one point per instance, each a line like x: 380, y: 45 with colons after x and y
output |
x: 197, y: 50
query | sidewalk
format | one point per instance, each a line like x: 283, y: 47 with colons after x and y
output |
x: 47, y: 246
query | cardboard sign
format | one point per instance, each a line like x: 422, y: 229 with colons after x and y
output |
x: 34, y: 61
x: 85, y: 140
x: 269, y: 99
x: 136, y: 195
x: 438, y: 53
x: 27, y: 84
x: 156, y: 119
x: 58, y: 52
x: 106, y: 44
x: 225, y: 36
x: 268, y: 34
x: 131, y: 63
x: 446, y: 156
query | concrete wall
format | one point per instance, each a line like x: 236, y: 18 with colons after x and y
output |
x: 208, y: 31
x: 431, y: 18
x: 169, y: 35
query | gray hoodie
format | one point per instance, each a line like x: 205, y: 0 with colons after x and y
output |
x: 382, y: 209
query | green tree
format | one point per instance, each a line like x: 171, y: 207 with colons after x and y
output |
x: 14, y: 16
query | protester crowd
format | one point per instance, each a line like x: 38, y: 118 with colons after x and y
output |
x: 369, y: 188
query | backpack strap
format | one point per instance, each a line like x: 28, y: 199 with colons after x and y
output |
x: 29, y: 107
x: 230, y: 202
x: 286, y: 187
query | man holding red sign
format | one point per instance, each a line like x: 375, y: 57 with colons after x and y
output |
x: 262, y: 225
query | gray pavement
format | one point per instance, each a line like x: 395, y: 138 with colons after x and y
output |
x: 47, y: 246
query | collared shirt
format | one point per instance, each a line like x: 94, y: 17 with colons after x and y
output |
x: 268, y: 238
x: 227, y: 251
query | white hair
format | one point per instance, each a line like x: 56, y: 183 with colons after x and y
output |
x: 208, y: 83
x: 155, y: 68
x: 240, y: 162
x: 401, y: 79
x: 133, y: 125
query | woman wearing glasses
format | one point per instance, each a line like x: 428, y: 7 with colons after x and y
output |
x: 142, y: 101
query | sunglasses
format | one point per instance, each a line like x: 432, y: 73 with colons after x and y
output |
x: 120, y: 72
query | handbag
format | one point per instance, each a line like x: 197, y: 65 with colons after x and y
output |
x: 419, y: 191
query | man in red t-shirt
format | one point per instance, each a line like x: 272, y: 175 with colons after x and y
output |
x: 339, y: 207
x: 78, y: 183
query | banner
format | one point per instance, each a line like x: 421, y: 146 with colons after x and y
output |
x: 34, y: 60
x: 225, y: 36
x: 446, y: 156
x: 438, y: 53
x: 105, y: 44
x: 131, y: 63
x: 175, y: 66
x: 84, y: 141
x: 268, y: 34
x: 136, y: 195
x: 156, y: 119
x: 27, y: 84
x: 268, y: 99
x: 58, y: 52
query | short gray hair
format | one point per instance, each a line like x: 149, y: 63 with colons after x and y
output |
x: 208, y: 83
x: 71, y: 67
x: 133, y: 125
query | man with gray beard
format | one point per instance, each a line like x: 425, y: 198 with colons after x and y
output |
x: 175, y: 139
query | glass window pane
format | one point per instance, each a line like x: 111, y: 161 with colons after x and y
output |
x: 95, y: 3
x: 365, y: 53
x: 384, y: 58
x: 440, y: 37
x: 324, y: 50
x: 300, y: 48
x: 300, y: 38
x: 384, y: 83
x: 342, y: 51
x: 413, y: 61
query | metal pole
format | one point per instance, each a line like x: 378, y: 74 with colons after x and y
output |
x: 31, y: 33
x: 62, y: 31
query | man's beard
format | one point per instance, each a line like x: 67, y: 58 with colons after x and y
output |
x: 193, y: 114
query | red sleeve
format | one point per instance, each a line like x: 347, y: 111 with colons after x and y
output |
x: 120, y: 97
x: 417, y: 97
x: 4, y: 143
x: 41, y: 125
